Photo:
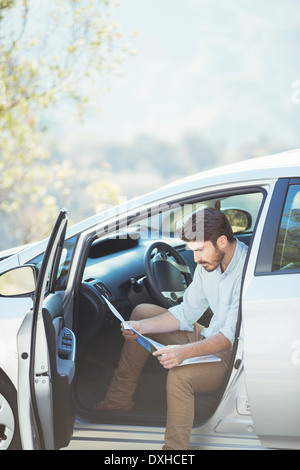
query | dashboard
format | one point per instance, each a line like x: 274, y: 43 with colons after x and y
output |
x: 115, y: 268
x: 116, y: 265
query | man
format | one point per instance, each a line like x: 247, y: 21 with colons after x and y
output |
x: 217, y: 280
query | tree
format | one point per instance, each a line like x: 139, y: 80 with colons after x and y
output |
x: 51, y: 51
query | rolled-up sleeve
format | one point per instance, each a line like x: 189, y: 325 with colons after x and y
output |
x: 229, y: 328
x: 193, y: 305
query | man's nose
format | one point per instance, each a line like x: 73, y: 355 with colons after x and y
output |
x: 197, y: 257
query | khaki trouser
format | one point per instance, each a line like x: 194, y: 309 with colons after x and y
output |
x: 182, y: 382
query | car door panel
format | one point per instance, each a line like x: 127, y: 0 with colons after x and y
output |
x: 61, y: 345
x: 271, y: 328
x: 45, y: 373
x: 27, y: 421
x: 271, y: 320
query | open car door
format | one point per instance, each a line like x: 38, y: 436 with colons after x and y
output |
x: 46, y: 358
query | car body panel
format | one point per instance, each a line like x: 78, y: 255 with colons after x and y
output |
x: 10, y: 323
x: 272, y: 325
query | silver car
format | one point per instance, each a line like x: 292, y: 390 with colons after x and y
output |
x: 60, y: 343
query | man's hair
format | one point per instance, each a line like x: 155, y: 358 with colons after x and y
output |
x: 207, y: 224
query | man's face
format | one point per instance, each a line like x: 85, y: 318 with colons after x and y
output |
x: 206, y: 254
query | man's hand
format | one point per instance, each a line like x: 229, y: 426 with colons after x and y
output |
x: 171, y: 356
x: 128, y: 334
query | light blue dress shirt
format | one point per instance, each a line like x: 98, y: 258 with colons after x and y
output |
x: 217, y: 290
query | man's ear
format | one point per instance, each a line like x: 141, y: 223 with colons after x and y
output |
x: 222, y: 242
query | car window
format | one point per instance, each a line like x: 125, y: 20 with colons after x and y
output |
x: 64, y: 263
x: 287, y: 251
x: 241, y: 209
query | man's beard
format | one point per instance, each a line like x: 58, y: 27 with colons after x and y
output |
x: 211, y: 266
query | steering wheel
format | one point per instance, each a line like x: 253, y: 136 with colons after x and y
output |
x: 167, y: 274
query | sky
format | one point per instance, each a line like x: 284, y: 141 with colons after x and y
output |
x: 226, y: 70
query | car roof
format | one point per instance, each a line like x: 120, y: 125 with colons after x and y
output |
x: 284, y: 164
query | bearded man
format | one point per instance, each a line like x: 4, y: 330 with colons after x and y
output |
x: 220, y: 259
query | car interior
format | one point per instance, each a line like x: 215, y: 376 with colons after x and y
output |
x: 143, y: 264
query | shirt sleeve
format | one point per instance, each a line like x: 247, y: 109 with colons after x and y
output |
x: 229, y: 328
x: 193, y: 305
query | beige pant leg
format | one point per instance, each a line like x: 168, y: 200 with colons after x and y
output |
x: 134, y: 356
x: 132, y: 360
x: 182, y: 383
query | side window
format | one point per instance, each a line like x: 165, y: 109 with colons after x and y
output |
x: 64, y: 263
x: 287, y: 250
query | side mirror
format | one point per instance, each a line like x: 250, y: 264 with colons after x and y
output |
x: 18, y: 281
x: 240, y: 220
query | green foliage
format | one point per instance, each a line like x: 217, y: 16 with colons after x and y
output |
x: 50, y: 51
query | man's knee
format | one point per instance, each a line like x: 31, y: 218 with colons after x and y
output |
x: 143, y: 311
x: 139, y: 312
x: 178, y: 379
